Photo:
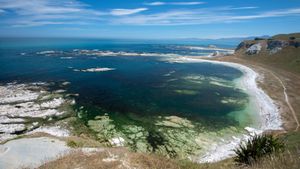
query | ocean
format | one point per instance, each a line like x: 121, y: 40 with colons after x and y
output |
x: 132, y: 90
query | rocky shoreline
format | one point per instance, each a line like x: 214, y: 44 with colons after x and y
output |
x: 31, y: 108
x: 28, y: 108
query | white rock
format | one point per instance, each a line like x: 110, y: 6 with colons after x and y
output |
x: 18, y: 93
x: 104, y: 69
x: 5, y: 119
x: 117, y: 141
x: 20, y: 100
x: 254, y: 49
x: 11, y: 128
x: 56, y: 102
x: 54, y: 130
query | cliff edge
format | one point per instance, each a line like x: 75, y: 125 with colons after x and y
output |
x: 281, y: 51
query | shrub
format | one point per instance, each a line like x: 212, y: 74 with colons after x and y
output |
x: 72, y: 144
x: 257, y: 147
x: 292, y: 38
x: 258, y: 38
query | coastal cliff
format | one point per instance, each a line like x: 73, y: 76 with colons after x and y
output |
x: 281, y: 51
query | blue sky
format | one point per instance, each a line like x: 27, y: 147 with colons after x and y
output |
x: 149, y: 19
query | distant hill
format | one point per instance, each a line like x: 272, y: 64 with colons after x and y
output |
x: 287, y: 36
x: 281, y: 51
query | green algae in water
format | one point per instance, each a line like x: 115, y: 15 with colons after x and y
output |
x: 174, y: 109
x: 176, y: 118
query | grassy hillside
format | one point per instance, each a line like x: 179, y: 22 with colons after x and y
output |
x: 286, y: 36
x: 121, y: 158
x: 281, y: 51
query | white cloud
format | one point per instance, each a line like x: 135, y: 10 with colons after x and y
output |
x: 159, y: 3
x: 41, y: 23
x: 201, y: 16
x: 35, y: 7
x: 244, y: 7
x: 279, y: 13
x: 186, y: 3
x: 155, y: 3
x: 121, y: 12
x: 66, y: 12
x: 47, y: 12
x: 2, y: 12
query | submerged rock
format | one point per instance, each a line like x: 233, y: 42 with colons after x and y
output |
x: 175, y: 121
x: 117, y: 141
x: 171, y: 136
x: 104, y: 128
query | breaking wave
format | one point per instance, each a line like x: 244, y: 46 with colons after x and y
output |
x: 175, y: 51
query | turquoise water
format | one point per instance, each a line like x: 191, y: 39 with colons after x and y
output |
x: 143, y: 94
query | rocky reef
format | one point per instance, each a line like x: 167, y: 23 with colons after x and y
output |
x: 171, y: 136
x: 27, y: 108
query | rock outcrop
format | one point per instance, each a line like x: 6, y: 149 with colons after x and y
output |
x: 26, y: 108
x: 271, y: 46
x: 281, y: 51
x: 254, y: 49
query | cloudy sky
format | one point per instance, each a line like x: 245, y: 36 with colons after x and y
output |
x: 148, y: 19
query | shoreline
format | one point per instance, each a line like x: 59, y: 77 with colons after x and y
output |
x: 268, y: 121
x: 270, y: 117
x: 280, y: 85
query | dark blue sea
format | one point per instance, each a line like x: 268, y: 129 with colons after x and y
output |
x: 140, y: 86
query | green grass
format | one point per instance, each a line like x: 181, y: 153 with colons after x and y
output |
x: 258, y: 147
x: 73, y: 144
x: 286, y: 36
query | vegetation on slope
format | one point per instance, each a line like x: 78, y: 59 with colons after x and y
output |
x: 257, y: 147
x: 280, y: 51
x: 268, y: 148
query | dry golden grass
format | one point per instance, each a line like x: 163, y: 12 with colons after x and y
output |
x: 110, y: 159
x: 288, y: 160
x: 148, y: 161
x: 121, y: 158
x: 79, y: 159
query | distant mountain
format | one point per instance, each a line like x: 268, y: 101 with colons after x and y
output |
x: 282, y: 51
x: 227, y: 39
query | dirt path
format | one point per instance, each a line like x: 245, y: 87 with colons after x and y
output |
x: 287, y: 99
x: 286, y: 96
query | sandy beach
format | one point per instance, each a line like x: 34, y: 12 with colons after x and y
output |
x: 268, y: 113
x: 275, y: 82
